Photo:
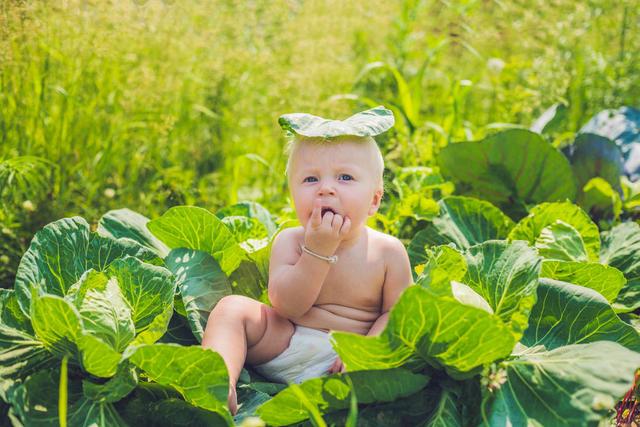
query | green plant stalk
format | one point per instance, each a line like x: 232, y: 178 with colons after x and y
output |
x: 62, y: 392
x: 352, y: 418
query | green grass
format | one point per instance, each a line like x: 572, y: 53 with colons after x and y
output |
x: 153, y: 104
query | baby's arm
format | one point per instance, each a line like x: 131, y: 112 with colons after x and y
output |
x: 397, y: 279
x: 295, y: 280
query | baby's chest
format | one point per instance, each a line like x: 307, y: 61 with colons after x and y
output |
x: 354, y: 284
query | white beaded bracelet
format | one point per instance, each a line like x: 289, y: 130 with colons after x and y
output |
x: 330, y: 259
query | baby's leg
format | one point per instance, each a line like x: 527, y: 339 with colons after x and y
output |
x: 242, y: 329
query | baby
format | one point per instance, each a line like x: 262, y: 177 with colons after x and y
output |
x: 333, y: 273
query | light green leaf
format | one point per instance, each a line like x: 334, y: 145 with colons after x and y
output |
x: 365, y: 123
x: 244, y: 228
x: 571, y: 314
x: 97, y: 357
x: 104, y: 312
x: 148, y: 289
x: 56, y: 323
x: 546, y: 214
x: 512, y: 169
x: 602, y: 278
x: 444, y: 264
x: 196, y: 228
x: 332, y: 393
x: 446, y: 333
x: 251, y: 210
x: 59, y: 327
x: 125, y: 223
x: 10, y: 313
x: 463, y: 221
x: 560, y: 241
x: 200, y: 375
x: 62, y: 251
x: 467, y: 296
x: 621, y: 249
x: 506, y: 276
x: 156, y: 329
x: 572, y: 385
x: 201, y: 283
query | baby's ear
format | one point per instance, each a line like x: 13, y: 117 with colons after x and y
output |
x: 375, y: 202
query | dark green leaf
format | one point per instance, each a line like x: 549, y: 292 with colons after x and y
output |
x: 621, y: 249
x: 332, y: 393
x: 201, y: 283
x: 621, y: 126
x: 116, y: 388
x: 595, y: 156
x: 574, y: 385
x: 153, y: 404
x: 512, y: 169
x: 571, y: 314
x: 36, y: 403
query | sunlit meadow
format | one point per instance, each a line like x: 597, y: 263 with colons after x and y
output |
x: 150, y: 104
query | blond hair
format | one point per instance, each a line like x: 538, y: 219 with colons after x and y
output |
x: 296, y: 140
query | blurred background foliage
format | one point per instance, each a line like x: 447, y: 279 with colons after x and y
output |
x: 151, y: 104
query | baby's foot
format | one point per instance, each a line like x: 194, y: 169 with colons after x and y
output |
x: 232, y: 401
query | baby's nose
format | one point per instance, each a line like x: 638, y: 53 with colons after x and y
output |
x: 326, y: 189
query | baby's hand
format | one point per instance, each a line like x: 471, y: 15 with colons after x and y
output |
x: 324, y: 233
x: 337, y: 366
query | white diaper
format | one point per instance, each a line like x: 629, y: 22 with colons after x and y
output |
x: 309, y: 355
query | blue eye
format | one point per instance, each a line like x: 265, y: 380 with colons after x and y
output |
x: 345, y: 177
x: 310, y: 179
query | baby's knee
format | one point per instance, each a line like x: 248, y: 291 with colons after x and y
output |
x: 233, y: 306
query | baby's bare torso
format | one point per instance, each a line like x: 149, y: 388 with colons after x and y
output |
x: 351, y: 295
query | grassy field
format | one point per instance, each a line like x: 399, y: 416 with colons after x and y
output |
x: 150, y: 104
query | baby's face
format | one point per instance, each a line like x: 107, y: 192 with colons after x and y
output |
x: 343, y: 176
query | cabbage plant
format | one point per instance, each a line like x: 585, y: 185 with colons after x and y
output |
x: 508, y: 324
x: 79, y: 336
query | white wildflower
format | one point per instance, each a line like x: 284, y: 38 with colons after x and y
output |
x: 109, y: 193
x: 495, y: 65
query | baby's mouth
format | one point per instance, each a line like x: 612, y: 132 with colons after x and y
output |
x: 325, y: 210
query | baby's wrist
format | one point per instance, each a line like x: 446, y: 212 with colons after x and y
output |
x: 331, y: 259
x: 321, y: 249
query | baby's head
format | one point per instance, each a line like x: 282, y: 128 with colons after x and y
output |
x: 345, y: 172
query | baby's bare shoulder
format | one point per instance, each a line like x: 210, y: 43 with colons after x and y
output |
x: 289, y: 235
x: 385, y: 243
x: 285, y: 246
